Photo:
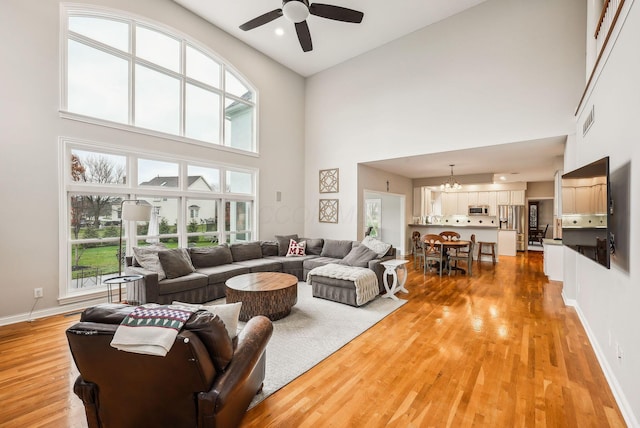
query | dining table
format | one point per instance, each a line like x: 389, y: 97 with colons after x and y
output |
x: 457, y: 244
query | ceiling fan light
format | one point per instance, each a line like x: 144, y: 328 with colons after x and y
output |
x: 295, y: 11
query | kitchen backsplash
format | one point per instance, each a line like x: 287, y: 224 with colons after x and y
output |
x: 459, y: 220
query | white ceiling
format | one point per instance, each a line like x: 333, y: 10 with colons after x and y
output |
x: 333, y: 41
x: 384, y: 20
x: 535, y: 160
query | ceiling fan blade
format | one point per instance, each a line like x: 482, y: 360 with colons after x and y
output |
x: 304, y: 36
x: 336, y: 12
x: 261, y: 20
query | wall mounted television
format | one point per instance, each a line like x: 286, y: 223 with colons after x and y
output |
x: 587, y: 210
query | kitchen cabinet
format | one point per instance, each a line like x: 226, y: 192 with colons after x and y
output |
x: 483, y: 198
x: 506, y: 242
x: 552, y: 261
x: 463, y: 203
x: 449, y: 203
x: 492, y: 201
x: 504, y: 197
x: 516, y: 197
x: 473, y: 198
x: 583, y: 200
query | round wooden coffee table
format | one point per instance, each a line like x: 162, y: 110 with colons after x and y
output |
x: 271, y: 294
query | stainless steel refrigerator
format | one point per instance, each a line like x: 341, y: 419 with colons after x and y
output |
x: 513, y: 217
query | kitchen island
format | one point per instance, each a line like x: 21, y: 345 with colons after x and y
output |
x: 486, y: 233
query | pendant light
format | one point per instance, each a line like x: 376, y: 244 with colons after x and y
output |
x: 451, y: 182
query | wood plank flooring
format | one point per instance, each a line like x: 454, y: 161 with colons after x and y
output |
x: 498, y: 349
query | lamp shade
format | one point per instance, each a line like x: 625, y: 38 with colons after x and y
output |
x: 136, y: 212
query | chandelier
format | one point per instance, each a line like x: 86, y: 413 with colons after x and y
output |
x: 451, y: 182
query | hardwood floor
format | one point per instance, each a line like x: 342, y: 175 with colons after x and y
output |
x: 498, y: 349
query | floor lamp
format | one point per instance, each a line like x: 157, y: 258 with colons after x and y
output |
x: 136, y: 211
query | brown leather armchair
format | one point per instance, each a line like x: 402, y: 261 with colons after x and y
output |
x: 205, y: 380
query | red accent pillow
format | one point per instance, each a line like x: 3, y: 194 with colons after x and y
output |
x: 296, y: 249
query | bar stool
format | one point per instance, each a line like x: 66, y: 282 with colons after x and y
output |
x: 482, y: 244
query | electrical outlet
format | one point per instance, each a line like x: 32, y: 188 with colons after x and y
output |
x: 619, y: 352
x: 38, y: 292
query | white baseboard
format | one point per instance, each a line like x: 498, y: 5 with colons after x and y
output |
x: 618, y: 394
x: 49, y: 312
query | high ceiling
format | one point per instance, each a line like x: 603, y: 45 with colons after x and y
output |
x: 333, y: 41
x: 535, y: 160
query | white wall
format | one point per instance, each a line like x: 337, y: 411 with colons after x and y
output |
x: 503, y: 71
x: 30, y: 124
x: 393, y: 222
x: 607, y: 299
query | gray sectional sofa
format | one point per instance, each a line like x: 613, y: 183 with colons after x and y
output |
x: 203, y: 279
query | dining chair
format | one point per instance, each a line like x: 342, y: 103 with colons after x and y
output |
x: 450, y: 235
x: 433, y: 251
x: 417, y: 250
x: 464, y: 254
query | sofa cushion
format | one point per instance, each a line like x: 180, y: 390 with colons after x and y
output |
x: 313, y: 246
x: 296, y: 249
x: 188, y: 282
x: 376, y: 245
x: 175, y: 262
x: 219, y: 274
x: 359, y: 256
x: 336, y: 249
x: 147, y: 257
x: 210, y: 256
x: 245, y: 251
x: 269, y: 248
x: 283, y: 243
x: 261, y: 265
x: 317, y: 261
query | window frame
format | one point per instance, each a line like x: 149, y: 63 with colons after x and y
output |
x: 132, y: 20
x: 130, y: 189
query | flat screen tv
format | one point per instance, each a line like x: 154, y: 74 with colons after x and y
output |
x: 586, y: 211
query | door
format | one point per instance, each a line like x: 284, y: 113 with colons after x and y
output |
x: 385, y: 212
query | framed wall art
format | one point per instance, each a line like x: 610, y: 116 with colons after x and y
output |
x: 328, y: 211
x: 329, y: 180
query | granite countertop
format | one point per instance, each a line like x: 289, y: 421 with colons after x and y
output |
x: 552, y: 241
x: 454, y: 225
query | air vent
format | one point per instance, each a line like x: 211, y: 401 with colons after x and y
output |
x: 591, y: 117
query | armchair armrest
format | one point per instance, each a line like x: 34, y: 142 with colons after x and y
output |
x: 149, y: 283
x: 232, y: 392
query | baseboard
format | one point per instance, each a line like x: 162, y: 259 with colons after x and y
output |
x: 49, y: 312
x: 618, y: 394
x: 568, y: 302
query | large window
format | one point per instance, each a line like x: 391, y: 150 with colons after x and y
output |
x: 121, y: 70
x: 193, y: 204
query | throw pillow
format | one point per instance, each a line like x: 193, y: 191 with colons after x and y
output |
x: 313, y: 246
x: 376, y: 245
x: 269, y: 248
x: 228, y: 313
x: 210, y: 256
x: 245, y: 251
x: 176, y: 262
x: 359, y: 256
x: 147, y: 257
x: 336, y: 249
x: 296, y: 249
x: 283, y: 243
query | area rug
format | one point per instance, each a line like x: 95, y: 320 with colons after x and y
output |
x: 315, y: 329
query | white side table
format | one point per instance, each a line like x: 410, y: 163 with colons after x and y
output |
x: 393, y: 267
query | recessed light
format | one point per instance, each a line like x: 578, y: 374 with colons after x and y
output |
x: 279, y: 31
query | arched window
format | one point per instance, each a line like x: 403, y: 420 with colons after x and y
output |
x: 121, y: 70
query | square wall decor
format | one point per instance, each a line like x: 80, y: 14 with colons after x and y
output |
x: 328, y: 211
x: 329, y: 180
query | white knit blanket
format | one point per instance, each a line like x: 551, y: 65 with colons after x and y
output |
x: 364, y: 279
x: 151, y: 329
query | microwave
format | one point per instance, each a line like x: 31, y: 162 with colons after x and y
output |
x: 478, y: 209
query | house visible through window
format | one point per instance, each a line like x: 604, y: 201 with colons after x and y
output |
x: 194, y: 209
x: 177, y: 86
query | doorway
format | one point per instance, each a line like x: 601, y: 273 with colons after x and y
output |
x: 384, y: 218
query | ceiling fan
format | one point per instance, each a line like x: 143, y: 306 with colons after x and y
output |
x: 297, y: 12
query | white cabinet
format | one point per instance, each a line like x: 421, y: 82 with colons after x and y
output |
x: 553, y: 262
x: 503, y: 197
x: 492, y: 201
x: 568, y: 200
x: 473, y: 198
x: 449, y: 203
x: 483, y: 198
x: 517, y: 197
x: 583, y: 200
x: 506, y: 242
x: 417, y: 202
x: 463, y: 203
